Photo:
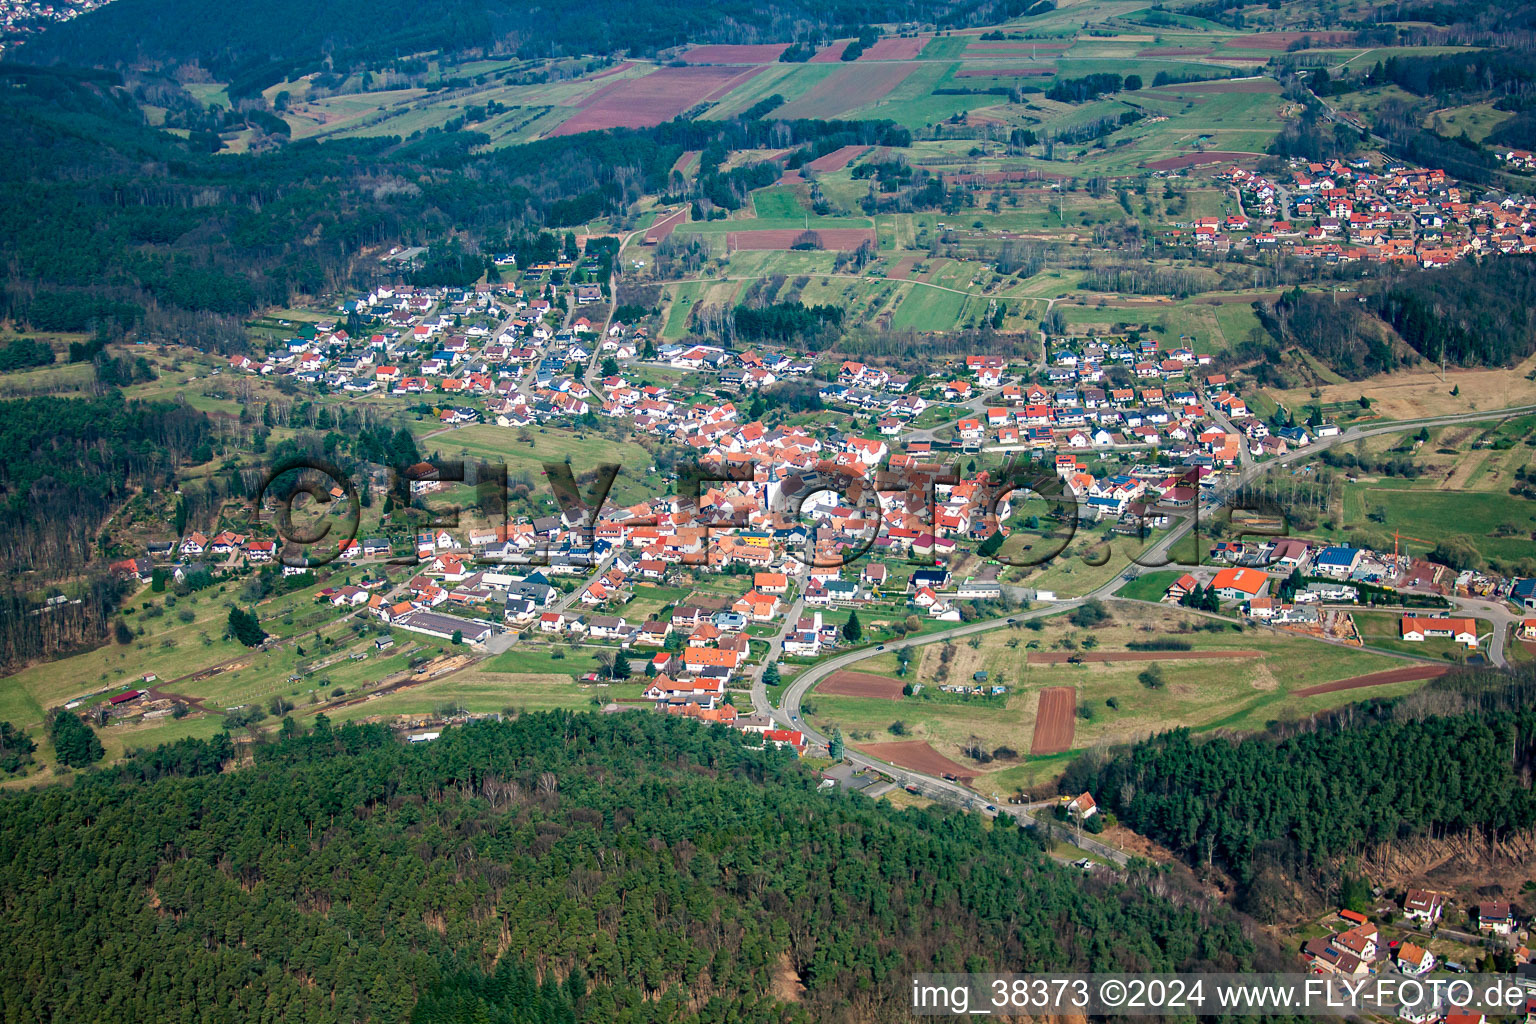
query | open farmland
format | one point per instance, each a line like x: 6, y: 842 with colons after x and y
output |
x: 1054, y: 720
x: 1412, y: 673
x: 897, y: 47
x: 1407, y: 394
x: 728, y: 53
x: 838, y: 158
x: 1040, y: 72
x: 918, y: 756
x: 659, y: 96
x: 851, y: 87
x: 840, y: 239
x: 861, y: 684
x: 1173, y: 163
x: 1281, y: 41
x: 1227, y: 679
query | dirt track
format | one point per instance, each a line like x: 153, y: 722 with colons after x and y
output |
x: 1391, y: 675
x: 918, y: 756
x: 1056, y: 720
x: 1104, y: 657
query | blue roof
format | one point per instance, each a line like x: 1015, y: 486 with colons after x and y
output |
x: 1341, y: 555
x: 1524, y: 588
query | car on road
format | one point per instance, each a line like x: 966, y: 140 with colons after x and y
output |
x: 880, y: 648
x: 991, y: 809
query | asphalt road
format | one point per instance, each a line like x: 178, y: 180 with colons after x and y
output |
x: 789, y: 712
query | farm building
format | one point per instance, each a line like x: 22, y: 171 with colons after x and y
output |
x: 473, y: 631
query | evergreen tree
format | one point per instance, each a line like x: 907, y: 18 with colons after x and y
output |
x: 402, y: 449
x: 16, y: 748
x: 245, y: 627
x: 853, y: 630
x: 75, y: 743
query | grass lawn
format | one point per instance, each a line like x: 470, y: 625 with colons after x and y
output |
x: 649, y: 600
x: 192, y: 658
x: 549, y: 444
x: 482, y: 692
x: 1384, y: 630
x: 928, y: 309
x: 60, y: 377
x: 1149, y: 586
x: 777, y: 201
x: 1500, y: 525
x: 529, y: 658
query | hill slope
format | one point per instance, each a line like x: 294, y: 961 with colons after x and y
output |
x: 657, y: 869
x: 253, y: 45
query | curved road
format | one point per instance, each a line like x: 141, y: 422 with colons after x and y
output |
x: 788, y: 714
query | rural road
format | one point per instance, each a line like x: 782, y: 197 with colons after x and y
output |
x: 789, y: 713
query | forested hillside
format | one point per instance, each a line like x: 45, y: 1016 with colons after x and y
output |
x: 65, y: 464
x: 109, y: 223
x: 1473, y: 313
x: 1275, y: 813
x: 1468, y: 313
x: 257, y: 45
x: 645, y: 868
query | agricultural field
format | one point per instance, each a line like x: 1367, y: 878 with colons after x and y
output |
x: 1501, y: 526
x: 180, y: 640
x: 1229, y: 680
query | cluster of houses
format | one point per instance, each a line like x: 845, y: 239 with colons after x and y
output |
x: 1336, y: 573
x: 454, y: 343
x: 1348, y: 212
x: 22, y: 19
x: 1360, y: 949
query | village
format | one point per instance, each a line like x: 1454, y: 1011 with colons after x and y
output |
x: 857, y: 512
x: 1352, y: 212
